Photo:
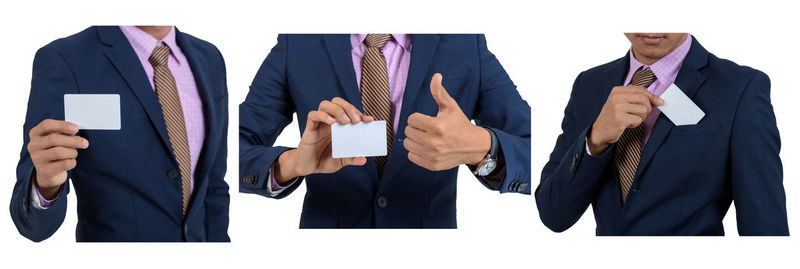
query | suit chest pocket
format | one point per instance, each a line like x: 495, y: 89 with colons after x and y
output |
x: 702, y: 128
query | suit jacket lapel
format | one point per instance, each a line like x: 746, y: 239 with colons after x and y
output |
x: 198, y: 65
x: 339, y: 51
x: 689, y: 79
x: 124, y: 59
x: 423, y: 47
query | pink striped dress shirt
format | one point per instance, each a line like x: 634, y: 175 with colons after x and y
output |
x: 144, y: 44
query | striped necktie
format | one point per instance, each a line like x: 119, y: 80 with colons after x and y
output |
x: 629, y: 147
x: 375, y: 89
x: 172, y: 111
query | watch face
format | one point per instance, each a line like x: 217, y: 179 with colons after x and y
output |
x: 487, y: 167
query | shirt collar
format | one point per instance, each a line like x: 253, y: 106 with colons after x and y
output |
x: 144, y: 43
x: 404, y: 40
x: 667, y: 65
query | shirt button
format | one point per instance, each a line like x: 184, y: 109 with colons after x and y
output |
x: 172, y: 173
x: 382, y: 202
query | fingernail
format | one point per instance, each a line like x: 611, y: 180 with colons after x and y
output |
x: 660, y: 101
x: 356, y: 117
x: 73, y: 128
x: 331, y: 120
x: 345, y: 118
x: 85, y: 143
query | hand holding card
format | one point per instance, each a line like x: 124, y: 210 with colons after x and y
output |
x: 314, y: 153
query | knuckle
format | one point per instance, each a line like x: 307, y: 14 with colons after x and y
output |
x: 438, y: 128
x: 49, y: 140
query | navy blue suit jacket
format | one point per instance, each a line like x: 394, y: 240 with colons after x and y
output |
x: 303, y: 70
x: 123, y: 181
x: 687, y: 175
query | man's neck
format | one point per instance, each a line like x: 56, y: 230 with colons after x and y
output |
x: 158, y: 32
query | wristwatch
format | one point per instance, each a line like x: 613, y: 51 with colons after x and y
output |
x: 489, y: 163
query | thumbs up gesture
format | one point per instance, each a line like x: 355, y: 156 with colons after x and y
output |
x: 447, y: 140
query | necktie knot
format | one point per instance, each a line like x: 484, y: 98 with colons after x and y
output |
x: 159, y: 56
x: 643, y: 77
x: 377, y: 40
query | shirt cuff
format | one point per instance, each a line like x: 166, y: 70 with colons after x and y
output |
x: 587, y: 148
x: 276, y: 188
x: 39, y: 201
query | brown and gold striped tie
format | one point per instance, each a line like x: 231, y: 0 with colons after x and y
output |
x: 375, y: 89
x: 629, y: 148
x: 171, y: 108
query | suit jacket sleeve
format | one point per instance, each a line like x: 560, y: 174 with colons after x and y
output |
x: 571, y: 176
x: 501, y: 109
x: 217, y: 197
x: 757, y: 173
x: 52, y: 78
x: 267, y: 109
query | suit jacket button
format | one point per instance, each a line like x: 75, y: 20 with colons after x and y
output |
x: 172, y: 173
x: 382, y: 202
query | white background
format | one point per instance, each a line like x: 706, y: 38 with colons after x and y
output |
x: 543, y: 46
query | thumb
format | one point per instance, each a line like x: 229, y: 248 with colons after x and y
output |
x: 655, y: 100
x: 440, y: 95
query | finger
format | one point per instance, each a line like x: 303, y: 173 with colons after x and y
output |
x: 421, y: 121
x: 655, y: 99
x: 316, y: 117
x: 59, y: 153
x: 63, y: 165
x: 638, y: 110
x: 351, y: 110
x: 415, y: 134
x: 626, y: 89
x: 439, y: 93
x: 58, y: 140
x: 368, y: 118
x: 413, y: 146
x: 633, y: 121
x: 418, y: 160
x: 335, y: 111
x: 357, y: 161
x: 54, y: 126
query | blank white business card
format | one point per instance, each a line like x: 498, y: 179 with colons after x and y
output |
x: 679, y: 108
x: 361, y: 139
x: 93, y: 111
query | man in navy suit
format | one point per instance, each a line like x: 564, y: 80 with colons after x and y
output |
x: 161, y: 176
x: 645, y: 176
x: 426, y: 87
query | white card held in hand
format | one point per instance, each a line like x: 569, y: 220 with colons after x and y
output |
x: 679, y: 108
x: 93, y: 111
x: 360, y: 139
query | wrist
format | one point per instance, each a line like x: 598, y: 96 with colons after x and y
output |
x: 482, y: 146
x: 596, y: 147
x: 284, y: 168
x: 48, y: 192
